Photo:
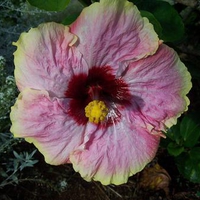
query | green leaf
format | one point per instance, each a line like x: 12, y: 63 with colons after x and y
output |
x: 171, y: 22
x: 153, y: 21
x: 72, y: 12
x: 71, y: 18
x: 195, y: 154
x: 174, y: 149
x: 186, y: 133
x: 189, y: 165
x: 190, y: 129
x: 50, y: 5
x: 174, y: 133
x: 167, y: 16
x: 18, y: 156
x: 32, y: 154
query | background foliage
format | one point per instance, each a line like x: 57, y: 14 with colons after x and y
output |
x: 21, y: 165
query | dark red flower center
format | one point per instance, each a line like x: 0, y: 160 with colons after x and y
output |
x: 101, y: 84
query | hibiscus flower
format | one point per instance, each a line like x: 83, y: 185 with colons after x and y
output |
x: 99, y: 93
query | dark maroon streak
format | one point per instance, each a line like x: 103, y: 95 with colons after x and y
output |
x: 99, y: 83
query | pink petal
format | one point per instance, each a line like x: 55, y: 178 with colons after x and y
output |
x: 45, y: 58
x: 113, y: 31
x: 114, y: 154
x: 159, y: 84
x: 44, y: 121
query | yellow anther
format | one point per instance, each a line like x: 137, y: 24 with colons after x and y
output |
x: 96, y: 111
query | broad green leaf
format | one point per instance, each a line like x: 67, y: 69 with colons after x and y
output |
x: 186, y: 133
x: 189, y: 165
x: 174, y: 149
x: 171, y: 22
x: 72, y: 12
x: 174, y: 133
x: 190, y: 129
x: 69, y: 19
x: 50, y: 5
x: 167, y: 16
x: 153, y: 21
x: 195, y: 154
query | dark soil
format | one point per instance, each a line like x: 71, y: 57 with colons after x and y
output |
x: 44, y: 182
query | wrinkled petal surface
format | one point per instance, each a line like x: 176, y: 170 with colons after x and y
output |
x: 158, y: 85
x: 45, y: 59
x: 114, y: 154
x: 113, y: 31
x: 53, y: 72
x: 44, y: 122
x: 162, y: 82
